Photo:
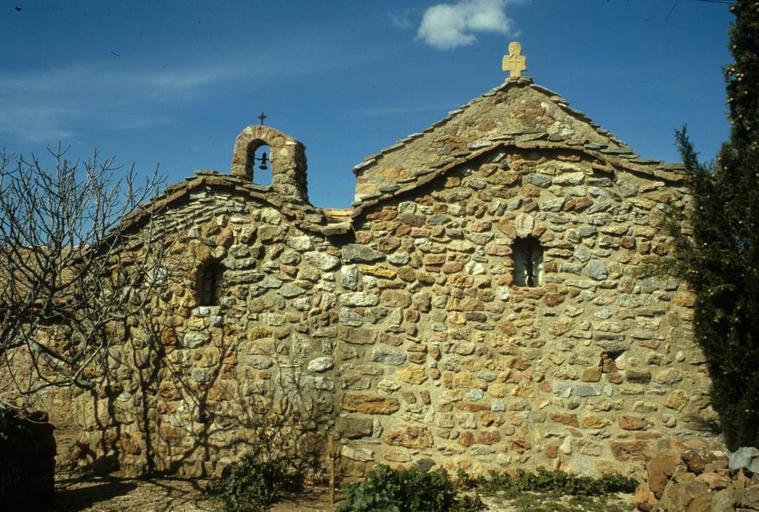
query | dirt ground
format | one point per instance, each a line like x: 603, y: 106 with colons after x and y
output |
x: 113, y: 494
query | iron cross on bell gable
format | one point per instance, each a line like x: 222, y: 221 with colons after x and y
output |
x: 263, y: 158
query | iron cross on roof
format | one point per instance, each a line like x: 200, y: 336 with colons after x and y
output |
x: 261, y: 117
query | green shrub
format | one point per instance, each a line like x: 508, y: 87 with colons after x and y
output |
x: 388, y: 490
x: 549, y: 482
x: 251, y: 485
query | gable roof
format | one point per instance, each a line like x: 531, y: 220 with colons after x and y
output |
x: 515, y: 114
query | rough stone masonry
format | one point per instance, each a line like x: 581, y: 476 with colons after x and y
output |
x: 414, y: 326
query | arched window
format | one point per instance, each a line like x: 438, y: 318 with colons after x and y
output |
x: 210, y: 283
x: 528, y: 262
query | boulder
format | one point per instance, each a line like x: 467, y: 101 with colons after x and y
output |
x: 660, y: 470
x: 644, y: 499
x: 745, y: 457
x: 681, y: 490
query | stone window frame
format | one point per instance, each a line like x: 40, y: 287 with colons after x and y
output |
x: 528, y: 259
x: 209, y: 283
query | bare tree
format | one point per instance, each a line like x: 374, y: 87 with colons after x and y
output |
x: 71, y: 270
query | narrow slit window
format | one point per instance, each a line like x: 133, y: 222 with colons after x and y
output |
x: 210, y: 283
x: 528, y: 262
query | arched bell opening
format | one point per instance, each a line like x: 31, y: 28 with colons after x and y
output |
x: 259, y: 164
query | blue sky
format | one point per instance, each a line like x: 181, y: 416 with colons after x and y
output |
x: 173, y: 82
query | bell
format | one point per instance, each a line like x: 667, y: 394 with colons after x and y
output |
x: 264, y: 160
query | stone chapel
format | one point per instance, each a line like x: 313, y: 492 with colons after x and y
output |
x: 483, y: 304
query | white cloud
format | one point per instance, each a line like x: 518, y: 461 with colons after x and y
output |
x: 446, y: 26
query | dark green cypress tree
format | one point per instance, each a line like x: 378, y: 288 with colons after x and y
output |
x: 721, y: 260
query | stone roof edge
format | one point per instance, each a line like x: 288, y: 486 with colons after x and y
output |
x: 310, y: 218
x: 669, y: 173
x: 623, y: 150
x: 371, y: 159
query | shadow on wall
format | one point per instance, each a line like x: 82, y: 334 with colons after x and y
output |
x: 162, y: 407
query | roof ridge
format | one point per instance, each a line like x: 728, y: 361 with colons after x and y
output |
x: 371, y: 159
x: 555, y: 97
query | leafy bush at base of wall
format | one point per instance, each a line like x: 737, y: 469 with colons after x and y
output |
x: 387, y: 490
x: 251, y: 485
x: 550, y: 482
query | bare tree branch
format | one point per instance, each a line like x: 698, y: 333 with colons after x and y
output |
x: 65, y: 276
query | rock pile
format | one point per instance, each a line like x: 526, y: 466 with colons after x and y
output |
x: 698, y: 480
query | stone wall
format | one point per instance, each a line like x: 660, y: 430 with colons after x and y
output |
x: 454, y: 363
x: 191, y: 388
x: 408, y: 339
